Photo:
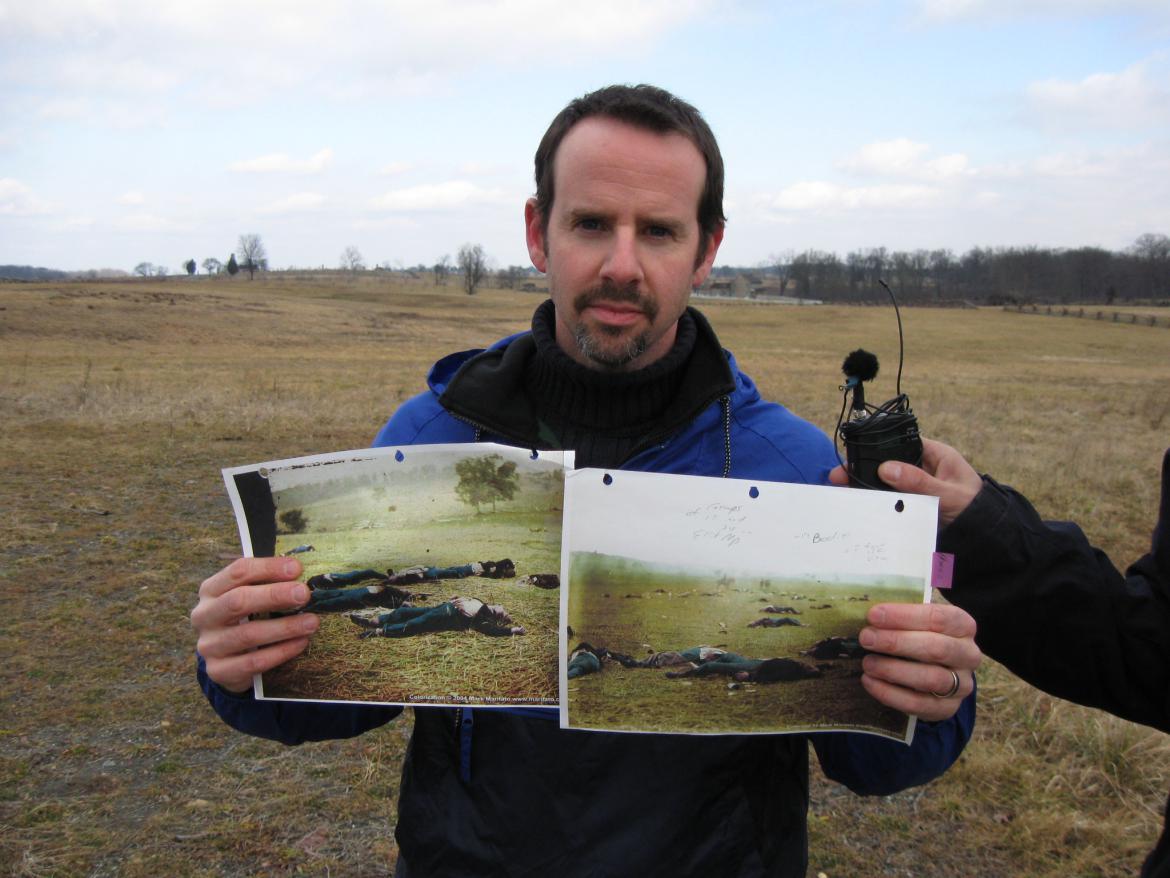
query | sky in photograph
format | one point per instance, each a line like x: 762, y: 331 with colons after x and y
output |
x: 152, y: 130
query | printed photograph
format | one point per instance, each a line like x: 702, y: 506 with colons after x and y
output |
x: 718, y: 606
x: 435, y: 571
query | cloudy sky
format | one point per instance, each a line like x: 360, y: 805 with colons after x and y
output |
x: 152, y: 130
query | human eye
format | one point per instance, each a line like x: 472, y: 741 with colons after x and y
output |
x: 659, y: 231
x: 589, y: 224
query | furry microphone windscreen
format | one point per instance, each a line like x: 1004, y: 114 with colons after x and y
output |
x: 860, y: 364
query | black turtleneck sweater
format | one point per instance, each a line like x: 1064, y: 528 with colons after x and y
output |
x: 533, y: 394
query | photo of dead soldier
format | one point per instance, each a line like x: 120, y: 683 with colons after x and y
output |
x: 419, y: 573
x: 726, y: 612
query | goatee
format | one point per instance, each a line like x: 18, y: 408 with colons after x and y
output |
x: 618, y: 354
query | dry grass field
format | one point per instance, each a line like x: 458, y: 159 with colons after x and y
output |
x: 121, y: 401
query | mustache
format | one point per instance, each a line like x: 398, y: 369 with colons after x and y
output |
x: 607, y: 291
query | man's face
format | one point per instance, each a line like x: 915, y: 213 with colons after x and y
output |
x: 621, y: 248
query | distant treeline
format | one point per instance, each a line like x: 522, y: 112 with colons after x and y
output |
x: 33, y: 272
x: 998, y: 276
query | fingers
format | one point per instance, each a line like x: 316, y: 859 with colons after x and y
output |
x: 938, y: 618
x: 224, y: 601
x: 235, y: 672
x: 232, y: 640
x: 233, y: 648
x: 907, y: 686
x: 248, y: 571
x: 838, y: 477
x: 937, y: 634
x: 918, y: 650
x: 945, y: 474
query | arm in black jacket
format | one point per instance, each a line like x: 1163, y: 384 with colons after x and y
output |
x: 1056, y: 611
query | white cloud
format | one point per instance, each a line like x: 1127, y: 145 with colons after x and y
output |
x: 450, y: 195
x: 146, y: 222
x: 956, y: 10
x: 17, y: 199
x: 345, y: 49
x: 1126, y: 99
x: 64, y: 108
x: 817, y: 196
x: 1132, y: 163
x: 133, y: 197
x: 280, y: 163
x: 479, y: 169
x: 905, y: 158
x: 386, y: 222
x: 393, y: 169
x: 299, y: 202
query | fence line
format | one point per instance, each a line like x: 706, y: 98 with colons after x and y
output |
x: 1127, y: 317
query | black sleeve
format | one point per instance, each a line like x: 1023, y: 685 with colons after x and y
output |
x: 1058, y: 613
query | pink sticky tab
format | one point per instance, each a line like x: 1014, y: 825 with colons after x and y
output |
x: 942, y: 570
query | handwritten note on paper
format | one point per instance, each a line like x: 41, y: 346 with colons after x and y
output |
x: 749, y: 527
x: 719, y: 523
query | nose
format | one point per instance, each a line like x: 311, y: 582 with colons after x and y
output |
x: 623, y: 265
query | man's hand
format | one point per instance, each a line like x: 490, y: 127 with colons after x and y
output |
x: 233, y: 651
x: 945, y: 474
x: 924, y: 648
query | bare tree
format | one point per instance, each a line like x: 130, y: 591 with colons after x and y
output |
x: 472, y: 261
x: 351, y: 259
x: 252, y: 253
x: 442, y: 269
x: 780, y: 263
x: 1153, y: 256
x: 506, y: 278
x: 211, y: 265
x: 144, y: 269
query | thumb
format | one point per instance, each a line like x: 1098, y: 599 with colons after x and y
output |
x: 909, y: 479
x: 905, y: 478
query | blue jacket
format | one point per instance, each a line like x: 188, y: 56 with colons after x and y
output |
x: 507, y: 792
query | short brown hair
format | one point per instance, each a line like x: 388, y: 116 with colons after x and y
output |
x: 644, y: 106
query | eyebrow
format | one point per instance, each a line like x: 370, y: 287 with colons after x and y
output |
x: 673, y: 226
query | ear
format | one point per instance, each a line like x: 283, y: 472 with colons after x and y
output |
x: 704, y: 267
x: 534, y: 234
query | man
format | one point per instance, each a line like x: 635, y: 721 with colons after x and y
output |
x: 340, y: 600
x: 748, y: 670
x: 457, y: 614
x: 695, y: 655
x: 345, y: 578
x: 1050, y: 607
x: 502, y: 569
x: 626, y: 220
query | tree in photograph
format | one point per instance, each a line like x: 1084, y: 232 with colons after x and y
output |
x: 144, y: 269
x: 160, y: 271
x: 211, y: 265
x: 189, y: 266
x: 351, y: 259
x: 472, y: 262
x: 293, y: 521
x: 442, y: 269
x: 233, y: 267
x: 252, y: 253
x: 486, y: 480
